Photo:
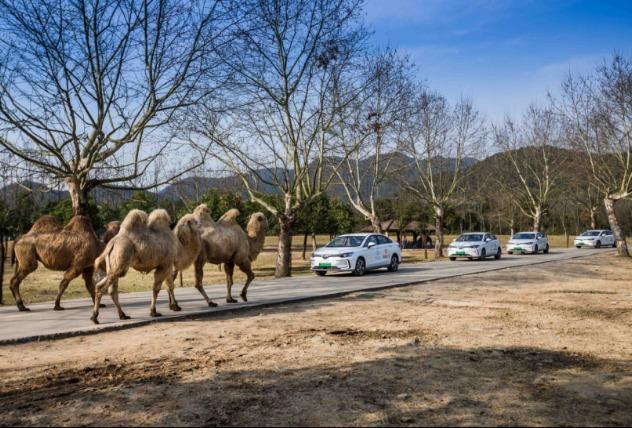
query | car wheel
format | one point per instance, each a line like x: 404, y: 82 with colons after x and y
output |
x: 452, y: 258
x: 577, y: 246
x: 320, y: 272
x: 546, y: 249
x: 510, y: 252
x: 360, y: 267
x: 536, y: 250
x: 614, y: 245
x: 483, y: 254
x: 394, y: 264
x: 598, y: 244
x: 498, y: 254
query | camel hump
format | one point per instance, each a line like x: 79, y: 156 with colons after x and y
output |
x: 159, y: 220
x: 46, y: 223
x: 229, y: 216
x: 79, y: 223
x: 134, y: 219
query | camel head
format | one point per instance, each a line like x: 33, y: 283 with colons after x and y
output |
x: 111, y: 230
x: 257, y: 227
x: 203, y: 214
x: 257, y: 224
x: 187, y: 227
x: 134, y: 219
x: 159, y: 220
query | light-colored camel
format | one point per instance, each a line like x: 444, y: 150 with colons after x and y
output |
x: 226, y: 242
x: 146, y: 243
x: 72, y: 249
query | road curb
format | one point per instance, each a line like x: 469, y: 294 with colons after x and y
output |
x: 228, y: 310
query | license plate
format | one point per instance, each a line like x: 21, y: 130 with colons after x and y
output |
x: 324, y: 265
x: 580, y: 243
x: 460, y: 253
x: 518, y: 249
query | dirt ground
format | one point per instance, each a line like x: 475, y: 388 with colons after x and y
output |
x: 542, y: 345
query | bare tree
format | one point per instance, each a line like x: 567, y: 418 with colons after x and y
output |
x: 369, y: 131
x: 288, y: 60
x: 86, y: 87
x: 534, y: 161
x: 442, y: 140
x: 598, y: 111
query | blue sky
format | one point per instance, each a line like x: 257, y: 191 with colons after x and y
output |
x: 502, y: 54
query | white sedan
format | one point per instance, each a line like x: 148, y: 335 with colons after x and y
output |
x: 528, y: 242
x: 357, y: 253
x: 477, y: 245
x: 595, y: 238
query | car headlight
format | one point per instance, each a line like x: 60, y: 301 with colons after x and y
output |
x: 316, y: 255
x: 473, y: 246
x: 344, y: 255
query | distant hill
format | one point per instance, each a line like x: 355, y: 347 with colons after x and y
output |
x: 193, y: 188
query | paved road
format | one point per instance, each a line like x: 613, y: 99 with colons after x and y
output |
x: 44, y: 323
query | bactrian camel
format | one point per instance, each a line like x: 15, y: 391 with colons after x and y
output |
x: 226, y: 242
x: 146, y: 243
x: 72, y: 249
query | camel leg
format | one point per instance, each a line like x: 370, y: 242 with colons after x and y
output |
x: 247, y: 269
x: 113, y: 290
x: 229, y: 268
x: 199, y: 275
x: 173, y: 303
x: 160, y: 274
x: 22, y: 272
x: 69, y: 275
x: 88, y: 279
x: 100, y: 287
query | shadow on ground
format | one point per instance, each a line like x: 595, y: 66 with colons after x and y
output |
x: 404, y: 385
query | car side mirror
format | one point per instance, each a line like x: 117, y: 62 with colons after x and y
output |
x: 371, y: 245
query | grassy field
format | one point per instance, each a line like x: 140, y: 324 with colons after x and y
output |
x: 42, y: 285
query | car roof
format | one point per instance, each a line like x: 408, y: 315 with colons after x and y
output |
x: 597, y: 230
x: 476, y: 233
x: 358, y: 234
x: 527, y: 231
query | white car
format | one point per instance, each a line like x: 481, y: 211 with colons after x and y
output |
x: 357, y: 253
x: 595, y: 238
x: 528, y: 242
x: 477, y: 245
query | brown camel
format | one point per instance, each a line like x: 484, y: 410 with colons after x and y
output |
x: 146, y: 243
x: 72, y: 249
x: 226, y: 242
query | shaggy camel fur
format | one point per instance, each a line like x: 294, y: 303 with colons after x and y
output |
x: 226, y: 242
x: 71, y: 249
x: 146, y: 243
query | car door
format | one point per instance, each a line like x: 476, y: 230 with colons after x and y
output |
x: 494, y: 243
x: 607, y: 238
x: 385, y: 250
x: 541, y: 241
x: 488, y: 244
x: 372, y: 253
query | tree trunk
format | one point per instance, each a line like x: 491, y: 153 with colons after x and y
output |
x: 78, y: 197
x: 537, y: 220
x: 593, y: 217
x: 439, y: 232
x: 619, y: 235
x: 376, y: 224
x: 305, y: 235
x: 2, y: 257
x: 313, y: 242
x: 284, y: 253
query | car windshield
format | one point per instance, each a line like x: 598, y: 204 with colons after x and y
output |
x: 346, y: 241
x: 524, y: 236
x: 591, y: 233
x: 469, y: 238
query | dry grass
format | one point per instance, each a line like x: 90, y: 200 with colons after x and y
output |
x: 41, y: 286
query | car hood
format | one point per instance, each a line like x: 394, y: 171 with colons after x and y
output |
x: 522, y: 241
x: 465, y: 244
x: 587, y: 238
x: 324, y: 251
